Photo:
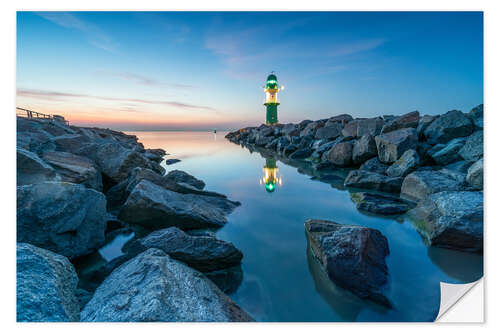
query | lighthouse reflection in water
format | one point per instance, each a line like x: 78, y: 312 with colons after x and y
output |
x: 270, y: 179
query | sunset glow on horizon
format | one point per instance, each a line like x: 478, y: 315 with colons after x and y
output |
x: 205, y: 70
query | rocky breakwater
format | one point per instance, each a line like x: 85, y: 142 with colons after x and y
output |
x: 408, y: 157
x: 72, y: 183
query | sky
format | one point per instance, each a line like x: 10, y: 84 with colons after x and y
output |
x: 205, y: 70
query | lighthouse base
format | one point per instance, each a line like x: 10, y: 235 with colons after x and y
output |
x: 271, y: 114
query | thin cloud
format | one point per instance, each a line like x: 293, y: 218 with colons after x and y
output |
x: 143, y: 80
x: 92, y: 32
x: 56, y: 95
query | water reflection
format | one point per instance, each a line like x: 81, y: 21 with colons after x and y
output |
x: 271, y: 179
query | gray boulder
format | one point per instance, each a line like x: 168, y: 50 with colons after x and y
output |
x: 185, y: 179
x: 290, y: 130
x: 32, y: 170
x: 311, y: 128
x: 45, y: 286
x: 374, y: 165
x: 419, y: 185
x: 263, y: 140
x: 392, y: 145
x: 407, y: 120
x: 70, y: 143
x: 154, y: 287
x: 152, y: 206
x: 424, y: 121
x: 172, y: 161
x: 371, y: 126
x: 476, y: 115
x: 453, y: 124
x: 451, y: 220
x: 75, y: 169
x: 364, y: 148
x: 473, y: 150
x: 353, y: 257
x: 66, y: 218
x: 460, y: 166
x: 301, y: 154
x: 341, y: 154
x: 373, y: 181
x: 350, y: 130
x: 408, y: 162
x: 379, y: 204
x: 329, y: 132
x: 449, y: 153
x: 475, y: 175
x: 289, y: 149
x: 204, y: 253
x: 341, y: 119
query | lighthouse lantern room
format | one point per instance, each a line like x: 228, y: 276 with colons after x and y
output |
x: 271, y: 89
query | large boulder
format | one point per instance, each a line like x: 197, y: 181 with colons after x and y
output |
x: 70, y: 143
x: 311, y: 128
x: 374, y: 165
x: 476, y: 115
x: 407, y: 120
x: 350, y: 130
x: 379, y: 204
x: 451, y: 219
x: 475, y: 175
x: 419, y: 185
x: 66, y: 218
x: 373, y: 181
x: 152, y: 206
x: 154, y: 287
x: 424, y: 121
x: 290, y: 130
x: 329, y: 132
x: 364, y: 148
x: 32, y: 170
x: 204, y: 253
x: 75, y: 169
x: 453, y: 124
x: 392, y: 145
x: 301, y: 154
x: 408, y: 162
x: 353, y: 257
x: 46, y: 286
x: 341, y: 119
x: 370, y: 126
x: 185, y: 179
x: 449, y: 153
x: 473, y: 150
x: 341, y: 154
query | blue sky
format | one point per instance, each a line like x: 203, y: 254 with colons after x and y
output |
x: 200, y: 70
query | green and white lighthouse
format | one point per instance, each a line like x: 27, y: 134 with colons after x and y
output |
x: 271, y: 89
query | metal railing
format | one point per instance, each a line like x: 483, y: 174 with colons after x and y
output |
x: 30, y: 114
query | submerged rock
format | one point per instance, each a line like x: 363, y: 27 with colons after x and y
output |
x: 154, y: 287
x: 203, y: 253
x: 451, y: 220
x: 379, y: 204
x: 152, y: 206
x: 353, y: 256
x: 419, y: 185
x: 374, y: 181
x: 32, y: 170
x: 46, y: 286
x: 66, y: 218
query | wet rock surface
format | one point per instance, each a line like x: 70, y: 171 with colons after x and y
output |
x: 379, y: 204
x: 374, y: 181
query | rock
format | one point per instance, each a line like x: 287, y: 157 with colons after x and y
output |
x: 350, y: 130
x: 83, y: 297
x: 70, y: 143
x: 370, y: 126
x: 449, y: 153
x: 289, y: 149
x: 263, y: 140
x: 374, y: 165
x: 353, y: 257
x: 311, y: 128
x: 75, y: 169
x: 329, y: 132
x: 476, y: 115
x: 33, y: 170
x: 154, y: 287
x: 407, y: 120
x: 46, y: 286
x: 340, y: 154
x: 374, y: 181
x: 364, y: 149
x: 306, y: 141
x: 451, y: 220
x: 472, y: 150
x: 424, y: 121
x: 419, y: 185
x: 152, y: 206
x: 290, y: 130
x: 203, y: 253
x: 408, y: 162
x: 172, y: 161
x: 66, y: 218
x: 392, y: 145
x: 282, y: 143
x: 475, y: 175
x: 301, y: 154
x: 155, y: 154
x: 272, y: 145
x: 227, y: 280
x: 379, y: 204
x: 342, y: 119
x: 460, y: 166
x: 304, y: 123
x: 453, y: 124
x: 185, y: 179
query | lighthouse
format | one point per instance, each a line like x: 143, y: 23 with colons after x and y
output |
x: 270, y: 179
x: 271, y: 89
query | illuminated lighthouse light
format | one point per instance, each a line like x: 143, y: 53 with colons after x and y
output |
x: 271, y: 89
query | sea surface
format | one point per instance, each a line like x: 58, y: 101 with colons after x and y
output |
x: 281, y: 280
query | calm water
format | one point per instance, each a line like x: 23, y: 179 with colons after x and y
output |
x: 281, y: 281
